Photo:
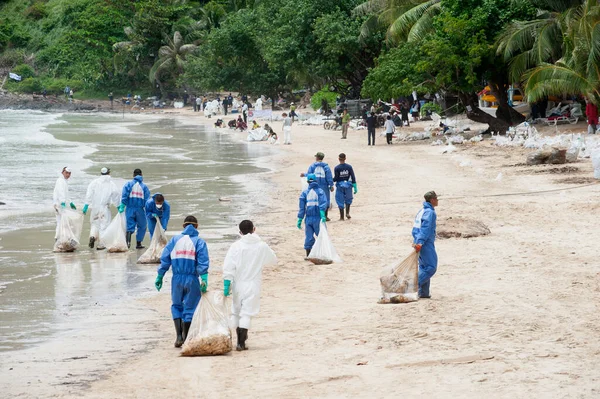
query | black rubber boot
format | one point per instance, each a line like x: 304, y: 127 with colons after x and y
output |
x: 341, y: 213
x: 238, y: 347
x: 348, y: 212
x: 128, y: 239
x: 242, y: 337
x: 92, y: 242
x: 139, y: 245
x: 186, y: 329
x: 178, y: 330
x: 327, y: 215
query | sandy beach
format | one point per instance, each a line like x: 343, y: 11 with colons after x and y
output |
x: 513, y: 314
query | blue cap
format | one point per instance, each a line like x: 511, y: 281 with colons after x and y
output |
x: 311, y: 176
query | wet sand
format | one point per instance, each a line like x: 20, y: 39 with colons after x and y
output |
x: 513, y: 314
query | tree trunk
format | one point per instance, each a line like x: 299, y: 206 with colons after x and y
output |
x: 505, y: 111
x: 475, y: 114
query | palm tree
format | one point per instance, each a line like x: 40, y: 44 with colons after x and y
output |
x: 557, y: 53
x: 171, y: 58
x: 404, y: 20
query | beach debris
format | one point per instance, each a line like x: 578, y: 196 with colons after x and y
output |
x: 113, y: 237
x: 69, y: 231
x: 465, y: 163
x: 438, y: 142
x: 457, y: 139
x: 400, y: 281
x: 225, y: 199
x: 461, y: 227
x: 476, y: 139
x: 209, y: 332
x: 547, y: 156
x: 158, y: 243
x: 323, y: 252
x: 499, y: 177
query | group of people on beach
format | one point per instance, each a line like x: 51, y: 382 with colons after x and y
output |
x: 187, y: 254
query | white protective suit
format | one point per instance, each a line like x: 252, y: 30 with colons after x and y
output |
x: 101, y: 193
x: 243, y: 267
x: 61, y: 195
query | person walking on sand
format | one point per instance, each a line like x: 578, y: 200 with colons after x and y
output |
x: 134, y: 196
x: 345, y: 122
x: 293, y: 114
x: 324, y: 178
x: 287, y: 129
x: 423, y: 233
x: 225, y: 105
x: 345, y: 186
x: 245, y: 112
x: 371, y: 121
x: 591, y: 111
x: 313, y: 204
x: 101, y: 193
x: 157, y: 208
x: 188, y: 254
x: 390, y: 128
x: 242, y: 276
x: 111, y: 98
x: 61, y: 195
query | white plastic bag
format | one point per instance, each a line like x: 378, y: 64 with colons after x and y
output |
x: 209, y: 333
x: 596, y: 163
x: 323, y: 252
x: 400, y: 281
x: 69, y: 231
x: 113, y: 237
x: 158, y: 243
x: 303, y: 183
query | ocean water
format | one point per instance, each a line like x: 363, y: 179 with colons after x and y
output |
x: 43, y: 294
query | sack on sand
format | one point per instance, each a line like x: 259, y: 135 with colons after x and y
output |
x: 113, y: 237
x: 400, y: 282
x: 323, y: 252
x: 69, y: 231
x: 209, y: 333
x: 158, y: 243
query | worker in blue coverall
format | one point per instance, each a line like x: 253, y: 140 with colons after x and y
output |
x: 423, y: 233
x: 345, y: 184
x: 133, y: 199
x: 188, y: 255
x: 157, y: 208
x: 313, y: 204
x: 324, y: 178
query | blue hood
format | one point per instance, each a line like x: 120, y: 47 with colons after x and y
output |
x: 427, y: 205
x: 313, y: 184
x: 190, y: 231
x: 139, y: 178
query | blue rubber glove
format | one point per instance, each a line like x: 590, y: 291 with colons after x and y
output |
x: 121, y: 208
x: 299, y: 224
x: 154, y: 215
x: 63, y: 205
x: 355, y: 188
x: 204, y: 285
x: 158, y: 282
x: 73, y: 206
x: 226, y: 285
x: 85, y: 208
x: 323, y: 217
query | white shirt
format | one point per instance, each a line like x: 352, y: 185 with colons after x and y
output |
x: 389, y: 126
x: 245, y: 260
x: 61, y: 191
x: 102, y: 192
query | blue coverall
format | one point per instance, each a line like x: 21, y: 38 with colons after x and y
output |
x: 324, y: 178
x: 344, y: 178
x: 188, y: 255
x: 134, y: 196
x: 163, y: 213
x: 312, y: 202
x: 423, y: 233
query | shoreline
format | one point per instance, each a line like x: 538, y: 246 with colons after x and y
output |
x: 320, y: 332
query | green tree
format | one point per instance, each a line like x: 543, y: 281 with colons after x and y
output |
x: 171, y: 59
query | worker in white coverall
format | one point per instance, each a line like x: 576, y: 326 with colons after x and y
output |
x: 242, y: 275
x: 61, y: 195
x: 101, y: 193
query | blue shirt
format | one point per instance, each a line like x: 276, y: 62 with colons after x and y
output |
x: 344, y: 172
x: 186, y: 252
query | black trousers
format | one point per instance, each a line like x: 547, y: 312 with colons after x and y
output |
x: 388, y: 137
x: 371, y: 134
x: 225, y: 109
